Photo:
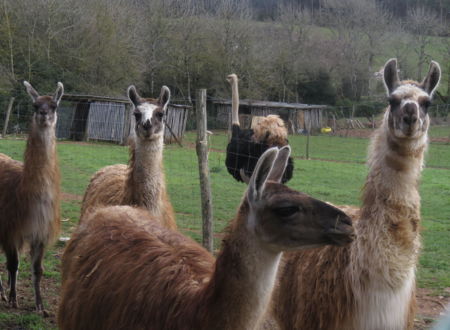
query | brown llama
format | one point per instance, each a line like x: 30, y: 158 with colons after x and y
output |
x: 121, y: 270
x: 142, y: 182
x: 29, y: 195
x: 370, y: 284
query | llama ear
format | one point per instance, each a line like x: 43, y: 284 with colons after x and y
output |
x: 31, y: 91
x: 279, y: 166
x: 133, y: 95
x: 431, y: 81
x: 164, y: 97
x: 391, y: 80
x: 262, y: 169
x: 58, y: 93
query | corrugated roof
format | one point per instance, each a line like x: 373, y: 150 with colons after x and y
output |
x: 99, y: 98
x: 270, y: 104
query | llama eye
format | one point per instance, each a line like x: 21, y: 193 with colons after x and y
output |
x: 393, y: 102
x: 425, y: 104
x: 137, y: 115
x: 159, y: 115
x: 287, y: 211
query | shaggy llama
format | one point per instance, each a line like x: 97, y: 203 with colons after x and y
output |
x: 370, y: 284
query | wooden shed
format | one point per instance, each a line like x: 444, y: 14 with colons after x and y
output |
x: 103, y: 118
x: 297, y: 116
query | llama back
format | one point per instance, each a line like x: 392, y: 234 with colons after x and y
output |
x: 111, y: 186
x: 141, y: 251
x: 10, y: 178
x: 106, y: 187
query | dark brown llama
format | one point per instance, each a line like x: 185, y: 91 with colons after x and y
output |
x: 29, y: 195
x: 123, y: 270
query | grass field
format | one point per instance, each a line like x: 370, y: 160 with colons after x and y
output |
x: 338, y: 181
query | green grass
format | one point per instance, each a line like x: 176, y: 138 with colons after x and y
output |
x: 338, y: 181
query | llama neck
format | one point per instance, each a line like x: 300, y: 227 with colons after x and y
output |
x: 40, y: 164
x: 241, y: 287
x: 390, y: 214
x: 147, y: 175
x: 235, y: 103
x: 395, y: 167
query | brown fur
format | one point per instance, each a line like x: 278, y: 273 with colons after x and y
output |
x: 123, y: 270
x: 364, y: 286
x: 30, y: 201
x: 141, y: 183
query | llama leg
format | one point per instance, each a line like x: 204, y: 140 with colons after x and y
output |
x: 37, y: 254
x: 12, y: 263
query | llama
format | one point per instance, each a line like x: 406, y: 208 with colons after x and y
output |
x: 370, y: 284
x: 142, y: 182
x: 29, y: 195
x: 123, y: 270
x: 247, y: 145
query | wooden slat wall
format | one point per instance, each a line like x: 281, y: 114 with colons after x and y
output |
x: 176, y: 118
x: 106, y: 121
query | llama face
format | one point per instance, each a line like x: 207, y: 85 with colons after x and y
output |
x: 45, y: 106
x: 45, y: 111
x: 409, y: 101
x: 149, y: 113
x: 408, y: 111
x: 149, y: 123
x: 291, y: 220
x: 284, y: 219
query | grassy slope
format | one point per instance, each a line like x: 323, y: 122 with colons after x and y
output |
x: 337, y: 182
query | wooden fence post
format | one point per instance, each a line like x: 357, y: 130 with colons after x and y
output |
x: 307, y: 139
x: 202, y: 154
x: 8, y: 113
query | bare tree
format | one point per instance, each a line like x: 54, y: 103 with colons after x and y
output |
x: 424, y: 24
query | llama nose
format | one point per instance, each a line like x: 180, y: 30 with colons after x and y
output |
x: 43, y: 112
x: 147, y: 125
x: 410, y: 114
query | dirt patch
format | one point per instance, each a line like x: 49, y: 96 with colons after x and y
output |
x: 430, y: 308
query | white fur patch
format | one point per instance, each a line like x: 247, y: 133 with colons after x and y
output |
x: 381, y: 307
x: 147, y: 110
x: 409, y: 91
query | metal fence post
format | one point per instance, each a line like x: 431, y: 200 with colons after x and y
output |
x: 202, y: 154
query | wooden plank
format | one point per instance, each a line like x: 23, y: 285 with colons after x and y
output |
x: 202, y: 154
x: 8, y: 113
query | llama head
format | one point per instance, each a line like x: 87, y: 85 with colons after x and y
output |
x: 45, y: 106
x: 149, y: 113
x: 285, y: 219
x: 409, y: 100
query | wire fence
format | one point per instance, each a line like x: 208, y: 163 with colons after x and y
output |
x: 344, y: 138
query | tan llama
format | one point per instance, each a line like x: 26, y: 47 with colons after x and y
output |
x: 370, y: 284
x: 123, y: 270
x: 29, y: 195
x: 142, y: 182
